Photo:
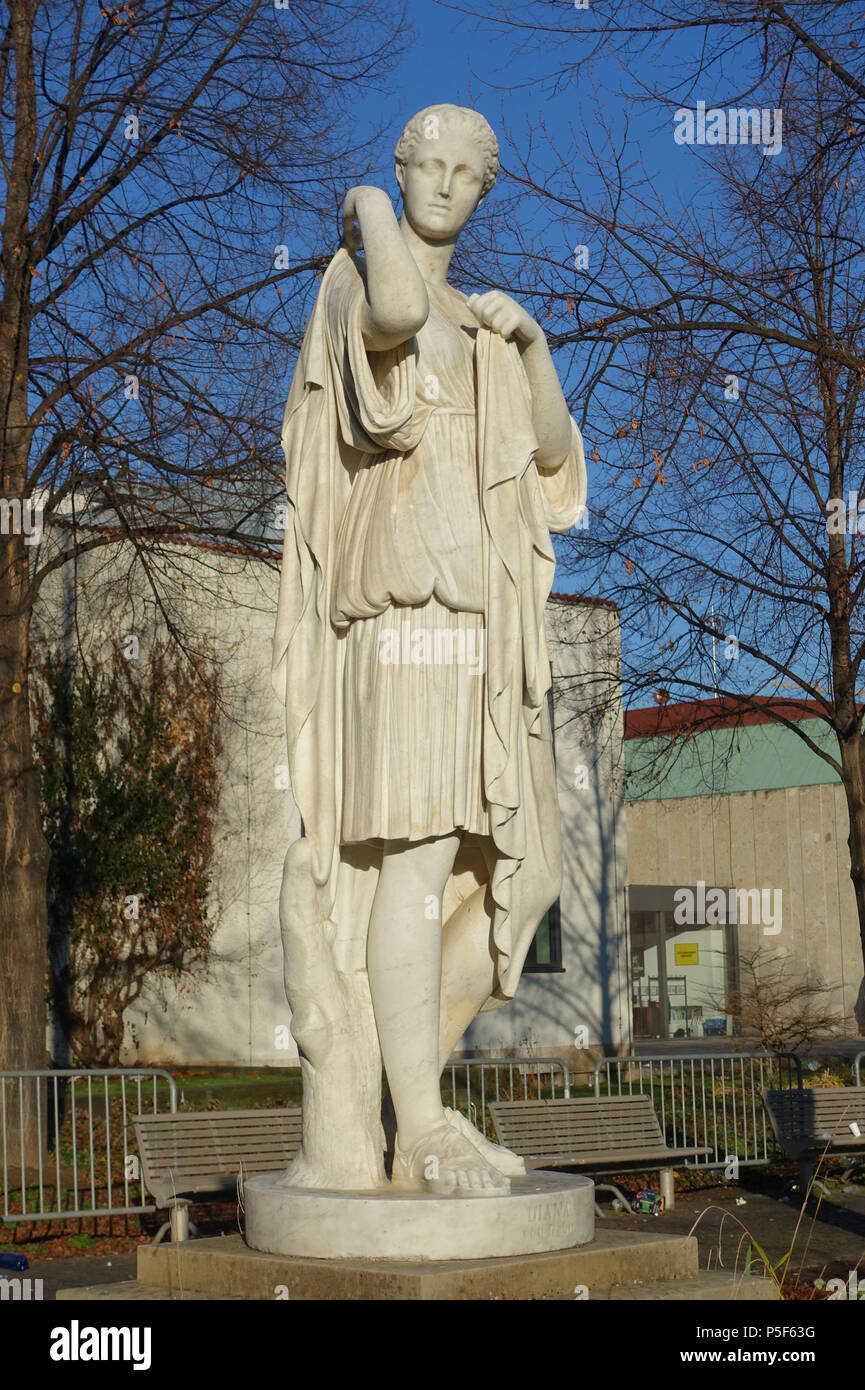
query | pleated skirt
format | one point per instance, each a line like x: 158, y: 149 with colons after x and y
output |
x: 414, y: 692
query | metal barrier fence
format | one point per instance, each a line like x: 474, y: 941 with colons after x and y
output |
x: 82, y: 1124
x: 857, y: 1068
x: 709, y: 1100
x: 84, y: 1164
x: 514, y: 1078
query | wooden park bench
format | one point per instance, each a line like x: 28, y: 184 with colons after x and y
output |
x: 618, y: 1133
x: 811, y: 1122
x: 205, y: 1151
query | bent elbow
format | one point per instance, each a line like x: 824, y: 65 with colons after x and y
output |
x: 396, y: 321
x: 402, y: 328
x: 401, y: 321
x: 551, y: 455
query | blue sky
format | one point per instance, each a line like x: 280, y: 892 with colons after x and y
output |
x: 450, y: 60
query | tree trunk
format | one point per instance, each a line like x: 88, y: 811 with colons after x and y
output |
x: 23, y: 851
x: 853, y: 778
x: 23, y: 872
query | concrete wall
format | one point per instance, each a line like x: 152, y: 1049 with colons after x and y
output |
x: 236, y: 1012
x: 793, y: 839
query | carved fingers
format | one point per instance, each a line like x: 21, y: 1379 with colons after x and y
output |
x: 497, y: 311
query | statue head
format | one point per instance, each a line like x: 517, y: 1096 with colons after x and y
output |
x: 447, y: 159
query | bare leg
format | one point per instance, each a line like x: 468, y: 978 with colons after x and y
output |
x: 404, y: 961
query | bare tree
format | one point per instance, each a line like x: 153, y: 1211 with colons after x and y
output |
x: 713, y: 336
x: 778, y: 1004
x: 747, y: 41
x: 169, y: 173
x: 129, y: 761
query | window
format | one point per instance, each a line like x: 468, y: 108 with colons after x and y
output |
x: 545, y: 952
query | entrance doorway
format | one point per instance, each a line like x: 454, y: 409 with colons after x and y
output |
x: 682, y: 977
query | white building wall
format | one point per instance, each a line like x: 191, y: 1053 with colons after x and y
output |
x: 236, y: 1012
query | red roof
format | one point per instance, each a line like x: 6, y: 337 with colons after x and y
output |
x: 586, y: 598
x: 723, y: 712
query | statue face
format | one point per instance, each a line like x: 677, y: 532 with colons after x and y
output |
x: 441, y: 183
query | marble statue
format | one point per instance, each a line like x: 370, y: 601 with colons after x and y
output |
x: 429, y: 454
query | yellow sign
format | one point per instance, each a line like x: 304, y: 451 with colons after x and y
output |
x: 687, y: 953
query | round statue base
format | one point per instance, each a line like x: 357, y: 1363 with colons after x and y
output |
x: 543, y: 1211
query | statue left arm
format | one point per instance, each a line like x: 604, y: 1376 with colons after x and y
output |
x: 550, y: 415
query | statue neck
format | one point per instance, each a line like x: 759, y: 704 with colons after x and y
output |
x: 432, y: 258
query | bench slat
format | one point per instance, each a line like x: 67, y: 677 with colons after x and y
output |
x: 586, y: 1131
x: 205, y: 1150
x: 614, y: 1158
x: 817, y: 1118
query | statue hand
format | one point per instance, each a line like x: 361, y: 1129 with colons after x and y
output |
x: 498, y: 312
x: 356, y: 199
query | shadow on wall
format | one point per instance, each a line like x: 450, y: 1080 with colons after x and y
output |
x: 587, y: 1002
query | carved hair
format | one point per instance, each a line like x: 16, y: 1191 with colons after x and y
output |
x: 472, y: 122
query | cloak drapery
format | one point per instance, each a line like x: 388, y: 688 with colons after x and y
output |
x: 346, y: 406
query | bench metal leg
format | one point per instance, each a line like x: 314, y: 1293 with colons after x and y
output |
x: 667, y: 1187
x: 611, y: 1187
x: 178, y: 1216
x: 807, y: 1181
x: 178, y: 1222
x: 803, y: 1185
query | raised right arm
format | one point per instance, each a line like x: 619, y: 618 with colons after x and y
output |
x: 396, y: 305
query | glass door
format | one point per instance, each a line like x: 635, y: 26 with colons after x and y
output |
x: 681, y: 976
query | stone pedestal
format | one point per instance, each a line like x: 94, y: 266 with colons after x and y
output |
x: 542, y: 1212
x: 616, y: 1264
x: 226, y: 1268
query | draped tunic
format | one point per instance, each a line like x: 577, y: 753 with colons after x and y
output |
x: 412, y: 526
x: 411, y: 478
x: 409, y: 580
